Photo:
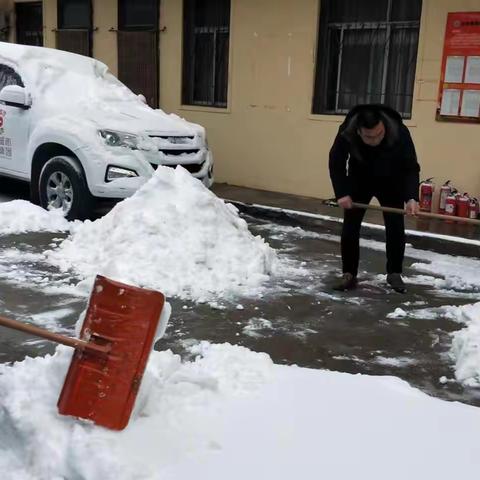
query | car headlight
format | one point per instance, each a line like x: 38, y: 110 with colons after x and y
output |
x: 114, y: 173
x: 120, y: 139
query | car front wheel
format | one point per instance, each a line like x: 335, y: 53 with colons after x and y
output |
x: 63, y: 185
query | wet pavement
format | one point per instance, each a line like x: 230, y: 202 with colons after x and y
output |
x: 297, y: 320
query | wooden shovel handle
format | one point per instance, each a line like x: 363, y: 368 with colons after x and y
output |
x: 54, y: 337
x: 419, y: 214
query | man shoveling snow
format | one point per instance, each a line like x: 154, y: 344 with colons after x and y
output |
x: 373, y: 156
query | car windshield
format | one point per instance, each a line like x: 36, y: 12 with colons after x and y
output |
x: 110, y: 88
x: 55, y: 85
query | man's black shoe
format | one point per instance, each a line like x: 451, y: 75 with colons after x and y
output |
x: 396, y: 282
x: 348, y: 282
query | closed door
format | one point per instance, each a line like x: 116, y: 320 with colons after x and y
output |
x: 138, y: 47
x: 29, y: 23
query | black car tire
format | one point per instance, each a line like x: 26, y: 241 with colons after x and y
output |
x: 77, y: 201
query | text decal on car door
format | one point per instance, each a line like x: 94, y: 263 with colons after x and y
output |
x: 5, y: 147
x: 2, y: 120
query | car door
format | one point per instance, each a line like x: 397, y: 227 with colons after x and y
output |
x: 14, y: 129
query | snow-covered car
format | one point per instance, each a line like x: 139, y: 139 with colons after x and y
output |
x: 76, y: 133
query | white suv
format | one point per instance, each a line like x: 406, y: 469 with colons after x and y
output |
x: 76, y: 133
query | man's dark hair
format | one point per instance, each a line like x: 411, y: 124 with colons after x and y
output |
x: 368, y: 118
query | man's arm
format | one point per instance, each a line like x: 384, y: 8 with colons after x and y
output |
x: 338, y: 167
x: 411, y: 167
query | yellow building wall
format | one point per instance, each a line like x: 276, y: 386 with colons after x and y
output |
x: 104, y: 36
x: 267, y: 138
x: 49, y: 22
x: 105, y: 20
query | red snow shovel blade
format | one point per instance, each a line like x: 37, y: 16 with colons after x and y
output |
x: 102, y: 387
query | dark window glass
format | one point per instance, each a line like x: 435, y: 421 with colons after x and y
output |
x: 406, y: 10
x: 8, y: 76
x: 74, y: 14
x: 206, y: 38
x: 357, y: 10
x: 138, y: 14
x: 29, y: 23
x: 367, y: 53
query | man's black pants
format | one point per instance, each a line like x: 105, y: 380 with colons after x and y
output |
x: 394, y: 226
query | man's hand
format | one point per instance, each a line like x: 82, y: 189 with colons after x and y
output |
x: 412, y: 208
x: 345, y: 202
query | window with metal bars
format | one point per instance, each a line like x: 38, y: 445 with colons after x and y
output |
x: 206, y: 36
x: 75, y: 24
x: 28, y: 23
x: 367, y: 53
x: 138, y: 15
x: 138, y: 47
x: 74, y: 14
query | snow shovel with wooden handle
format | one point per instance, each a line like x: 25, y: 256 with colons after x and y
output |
x: 111, y: 354
x: 437, y: 216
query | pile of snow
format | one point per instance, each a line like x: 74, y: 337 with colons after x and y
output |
x: 449, y: 312
x: 455, y: 273
x: 459, y: 273
x: 465, y: 349
x: 20, y: 216
x: 233, y: 414
x: 466, y: 346
x: 173, y: 235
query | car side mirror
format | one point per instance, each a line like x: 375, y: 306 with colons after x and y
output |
x: 15, y: 96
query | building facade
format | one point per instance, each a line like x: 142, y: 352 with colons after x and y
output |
x: 271, y: 80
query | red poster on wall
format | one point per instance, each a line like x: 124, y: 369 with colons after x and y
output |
x: 459, y: 96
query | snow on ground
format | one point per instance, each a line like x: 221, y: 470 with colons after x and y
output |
x: 20, y: 216
x: 459, y: 273
x: 184, y: 241
x: 173, y: 235
x: 466, y: 346
x: 450, y: 275
x: 394, y: 362
x: 449, y: 311
x: 231, y: 413
x: 17, y: 267
x: 50, y: 318
x: 257, y: 327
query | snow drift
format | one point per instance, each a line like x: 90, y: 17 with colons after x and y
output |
x: 173, y: 235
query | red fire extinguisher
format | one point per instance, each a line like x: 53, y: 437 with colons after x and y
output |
x: 463, y: 205
x: 451, y: 204
x: 474, y: 209
x: 426, y: 195
x: 445, y: 191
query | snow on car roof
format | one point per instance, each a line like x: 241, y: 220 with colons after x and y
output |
x: 56, y: 79
x: 22, y: 55
x: 44, y: 70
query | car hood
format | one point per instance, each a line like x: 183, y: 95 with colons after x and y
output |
x: 141, y: 119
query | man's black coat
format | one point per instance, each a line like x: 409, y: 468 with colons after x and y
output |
x: 391, y: 166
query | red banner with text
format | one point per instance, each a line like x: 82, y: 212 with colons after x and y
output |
x: 459, y: 96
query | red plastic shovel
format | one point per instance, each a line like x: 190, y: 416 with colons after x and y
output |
x: 111, y: 355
